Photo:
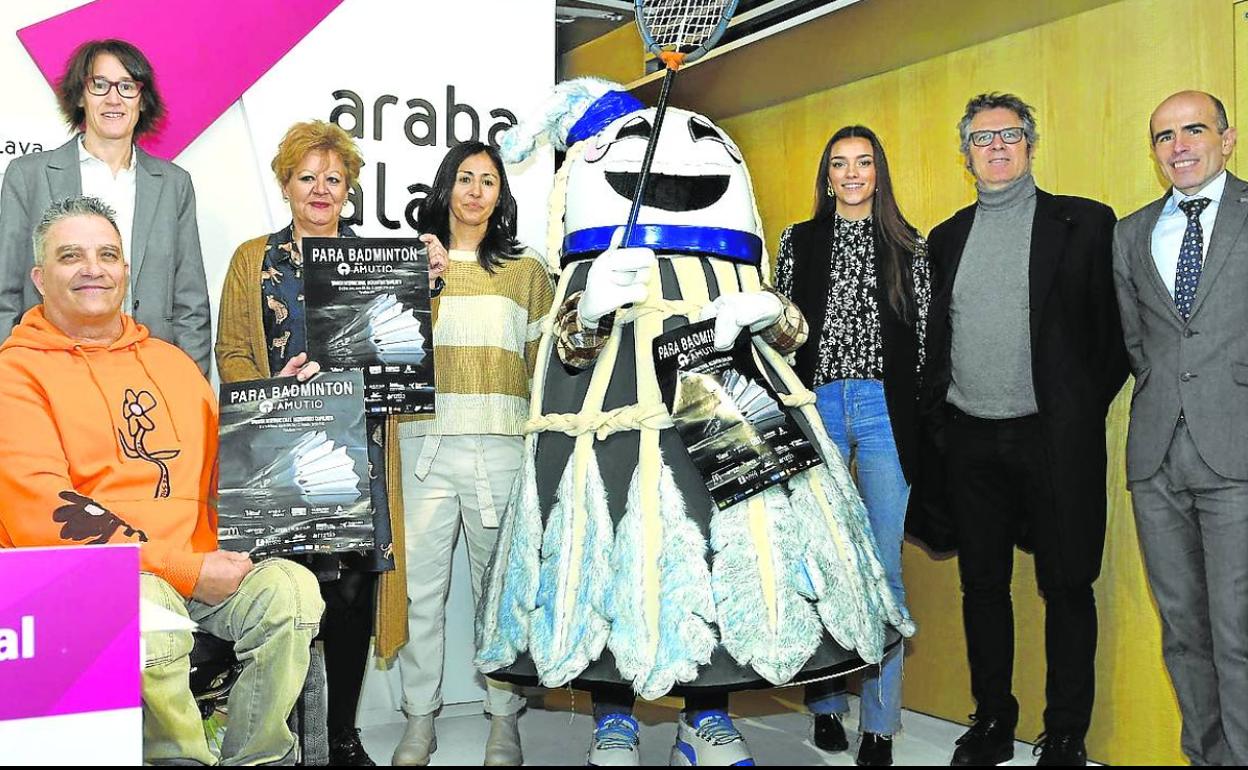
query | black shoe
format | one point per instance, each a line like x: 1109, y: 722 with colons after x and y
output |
x: 345, y: 750
x: 1059, y: 750
x: 989, y: 742
x: 875, y: 750
x: 830, y: 733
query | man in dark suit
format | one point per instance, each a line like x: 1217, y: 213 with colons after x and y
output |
x: 1181, y: 271
x: 1025, y: 357
x: 109, y: 95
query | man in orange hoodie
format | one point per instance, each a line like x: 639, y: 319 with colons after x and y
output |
x: 108, y: 435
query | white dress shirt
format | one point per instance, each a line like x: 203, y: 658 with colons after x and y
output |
x: 117, y: 191
x: 1168, y: 234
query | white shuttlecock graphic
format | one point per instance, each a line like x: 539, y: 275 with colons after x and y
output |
x: 383, y: 330
x: 750, y: 397
x: 322, y: 472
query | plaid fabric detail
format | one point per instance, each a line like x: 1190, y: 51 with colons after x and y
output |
x: 578, y: 345
x: 789, y: 331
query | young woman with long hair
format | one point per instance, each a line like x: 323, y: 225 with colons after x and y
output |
x: 859, y: 272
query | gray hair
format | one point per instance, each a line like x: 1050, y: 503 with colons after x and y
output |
x: 992, y: 101
x: 76, y: 206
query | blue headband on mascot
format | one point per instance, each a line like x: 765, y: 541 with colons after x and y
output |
x: 733, y: 245
x: 604, y: 110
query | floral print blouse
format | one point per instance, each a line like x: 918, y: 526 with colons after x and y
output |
x: 851, y: 343
x: 281, y: 297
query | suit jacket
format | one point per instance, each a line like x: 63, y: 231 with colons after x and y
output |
x: 1198, y: 366
x: 812, y: 242
x: 169, y: 294
x: 1078, y: 365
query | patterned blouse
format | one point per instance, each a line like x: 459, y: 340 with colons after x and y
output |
x: 281, y: 296
x: 286, y: 335
x: 851, y: 344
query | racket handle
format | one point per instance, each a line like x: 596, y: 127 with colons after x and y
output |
x: 647, y: 161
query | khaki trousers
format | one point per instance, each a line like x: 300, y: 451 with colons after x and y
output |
x: 271, y: 619
x: 450, y: 483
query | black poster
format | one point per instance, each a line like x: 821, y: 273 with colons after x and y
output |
x: 294, y: 474
x: 367, y: 303
x: 736, y: 430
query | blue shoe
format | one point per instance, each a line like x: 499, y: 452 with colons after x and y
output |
x: 616, y: 742
x: 712, y: 739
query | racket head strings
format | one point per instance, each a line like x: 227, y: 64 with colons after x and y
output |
x: 681, y: 31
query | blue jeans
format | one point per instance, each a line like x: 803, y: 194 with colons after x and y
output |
x: 856, y: 418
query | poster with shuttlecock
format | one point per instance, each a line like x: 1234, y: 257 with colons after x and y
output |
x: 727, y: 414
x: 368, y: 308
x: 294, y: 466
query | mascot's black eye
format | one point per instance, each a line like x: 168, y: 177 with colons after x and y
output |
x: 700, y: 129
x: 636, y: 127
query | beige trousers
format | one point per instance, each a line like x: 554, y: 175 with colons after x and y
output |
x: 450, y: 483
x: 271, y: 619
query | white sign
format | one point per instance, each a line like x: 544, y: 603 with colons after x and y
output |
x: 409, y: 81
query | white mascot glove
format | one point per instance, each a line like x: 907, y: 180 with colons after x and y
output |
x: 617, y: 278
x: 734, y: 312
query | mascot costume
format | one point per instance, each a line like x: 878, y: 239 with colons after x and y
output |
x: 614, y: 566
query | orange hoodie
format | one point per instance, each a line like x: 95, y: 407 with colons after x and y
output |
x: 107, y: 444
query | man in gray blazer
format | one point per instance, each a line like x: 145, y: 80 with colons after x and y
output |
x: 108, y: 93
x: 1181, y: 273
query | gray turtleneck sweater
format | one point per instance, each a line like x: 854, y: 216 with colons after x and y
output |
x: 990, y: 308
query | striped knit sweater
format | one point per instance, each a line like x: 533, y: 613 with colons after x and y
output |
x: 485, y: 334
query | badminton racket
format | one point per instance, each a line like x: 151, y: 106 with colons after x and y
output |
x: 678, y: 32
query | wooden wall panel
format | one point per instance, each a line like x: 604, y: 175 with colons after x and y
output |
x: 1240, y: 22
x: 617, y: 56
x: 1094, y: 79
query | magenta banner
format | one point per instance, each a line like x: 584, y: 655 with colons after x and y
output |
x: 205, y: 54
x: 69, y: 630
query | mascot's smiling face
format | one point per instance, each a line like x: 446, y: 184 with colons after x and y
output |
x: 698, y: 177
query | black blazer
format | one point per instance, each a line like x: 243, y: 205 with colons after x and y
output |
x: 811, y: 241
x: 1078, y: 363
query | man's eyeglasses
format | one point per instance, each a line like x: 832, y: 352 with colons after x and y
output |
x: 1008, y: 135
x: 128, y: 89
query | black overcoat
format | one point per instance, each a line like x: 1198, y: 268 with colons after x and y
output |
x: 1078, y: 364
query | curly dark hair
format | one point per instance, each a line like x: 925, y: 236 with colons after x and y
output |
x: 72, y: 85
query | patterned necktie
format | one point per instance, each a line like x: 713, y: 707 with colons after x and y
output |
x: 1187, y: 276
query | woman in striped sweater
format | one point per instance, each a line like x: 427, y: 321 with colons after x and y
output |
x: 458, y: 467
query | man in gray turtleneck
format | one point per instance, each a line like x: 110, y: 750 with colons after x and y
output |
x: 1025, y: 356
x: 989, y: 313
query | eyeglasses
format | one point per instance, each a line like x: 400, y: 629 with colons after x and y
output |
x: 1008, y: 135
x: 126, y: 88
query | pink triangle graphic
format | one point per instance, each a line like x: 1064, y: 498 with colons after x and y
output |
x: 206, y: 54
